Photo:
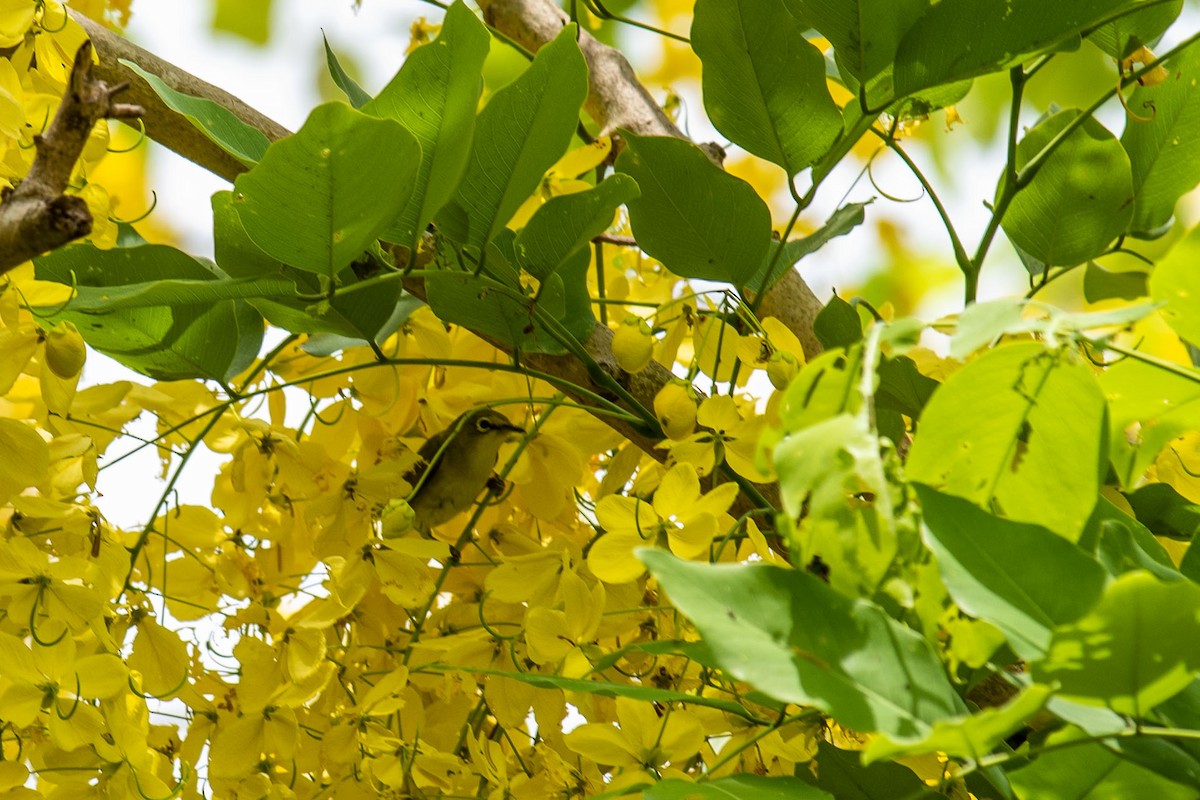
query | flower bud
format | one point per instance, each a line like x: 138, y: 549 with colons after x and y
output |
x: 633, y: 344
x: 65, y: 351
x: 675, y: 407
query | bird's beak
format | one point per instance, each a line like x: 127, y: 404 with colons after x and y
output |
x: 515, y: 432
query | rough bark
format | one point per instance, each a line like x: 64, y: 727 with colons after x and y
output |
x: 37, y: 216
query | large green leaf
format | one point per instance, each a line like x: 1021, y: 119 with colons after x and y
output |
x: 242, y: 141
x: 1127, y: 33
x: 737, y: 787
x: 1122, y: 544
x: 495, y: 304
x: 1134, y: 650
x: 1080, y: 199
x: 957, y: 40
x: 1175, y: 282
x: 523, y: 130
x: 840, y: 222
x: 997, y: 430
x: 435, y: 95
x: 649, y: 694
x: 864, y: 33
x: 1089, y: 770
x: 825, y: 470
x: 843, y: 774
x: 175, y: 292
x: 211, y: 340
x: 360, y: 314
x: 986, y: 564
x: 971, y: 736
x: 317, y: 199
x: 790, y: 635
x: 1164, y: 148
x: 697, y: 219
x: 357, y: 96
x: 564, y: 225
x: 764, y: 84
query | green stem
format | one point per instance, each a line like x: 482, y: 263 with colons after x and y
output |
x: 1014, y: 180
x: 136, y: 551
x: 960, y: 253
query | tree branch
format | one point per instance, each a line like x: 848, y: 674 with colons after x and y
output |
x: 617, y: 99
x: 37, y: 216
x: 163, y: 125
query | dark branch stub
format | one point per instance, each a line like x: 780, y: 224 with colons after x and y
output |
x: 37, y: 216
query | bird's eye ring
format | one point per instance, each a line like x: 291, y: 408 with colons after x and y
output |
x: 483, y: 425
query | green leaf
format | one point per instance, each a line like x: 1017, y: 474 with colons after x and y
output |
x: 999, y: 33
x: 210, y: 340
x: 357, y: 96
x: 864, y: 33
x: 1164, y: 149
x: 1175, y: 282
x: 435, y: 95
x: 1080, y: 199
x: 1089, y: 770
x: 1124, y: 544
x: 840, y: 222
x: 244, y: 142
x: 1165, y: 511
x: 996, y: 431
x: 1147, y: 407
x: 764, y: 84
x: 319, y: 198
x: 1102, y: 284
x: 826, y: 386
x: 837, y: 324
x: 175, y: 292
x: 986, y: 564
x: 790, y: 635
x: 566, y: 224
x: 647, y: 694
x: 697, y: 219
x: 903, y: 387
x: 357, y: 314
x: 736, y: 787
x: 981, y: 324
x: 971, y: 736
x: 521, y: 132
x: 1127, y: 33
x: 824, y: 469
x: 843, y: 774
x: 493, y: 304
x: 1134, y: 650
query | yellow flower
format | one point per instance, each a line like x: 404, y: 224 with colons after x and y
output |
x: 679, y: 512
x: 633, y: 344
x: 563, y: 178
x: 779, y: 351
x: 643, y: 739
x: 728, y: 438
x: 675, y: 407
x: 16, y: 18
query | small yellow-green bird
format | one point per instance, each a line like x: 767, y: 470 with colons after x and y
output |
x: 456, y: 464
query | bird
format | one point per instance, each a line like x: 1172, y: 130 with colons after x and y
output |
x: 456, y: 464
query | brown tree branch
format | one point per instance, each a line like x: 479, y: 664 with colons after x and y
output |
x: 163, y: 125
x: 617, y: 99
x: 37, y: 216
